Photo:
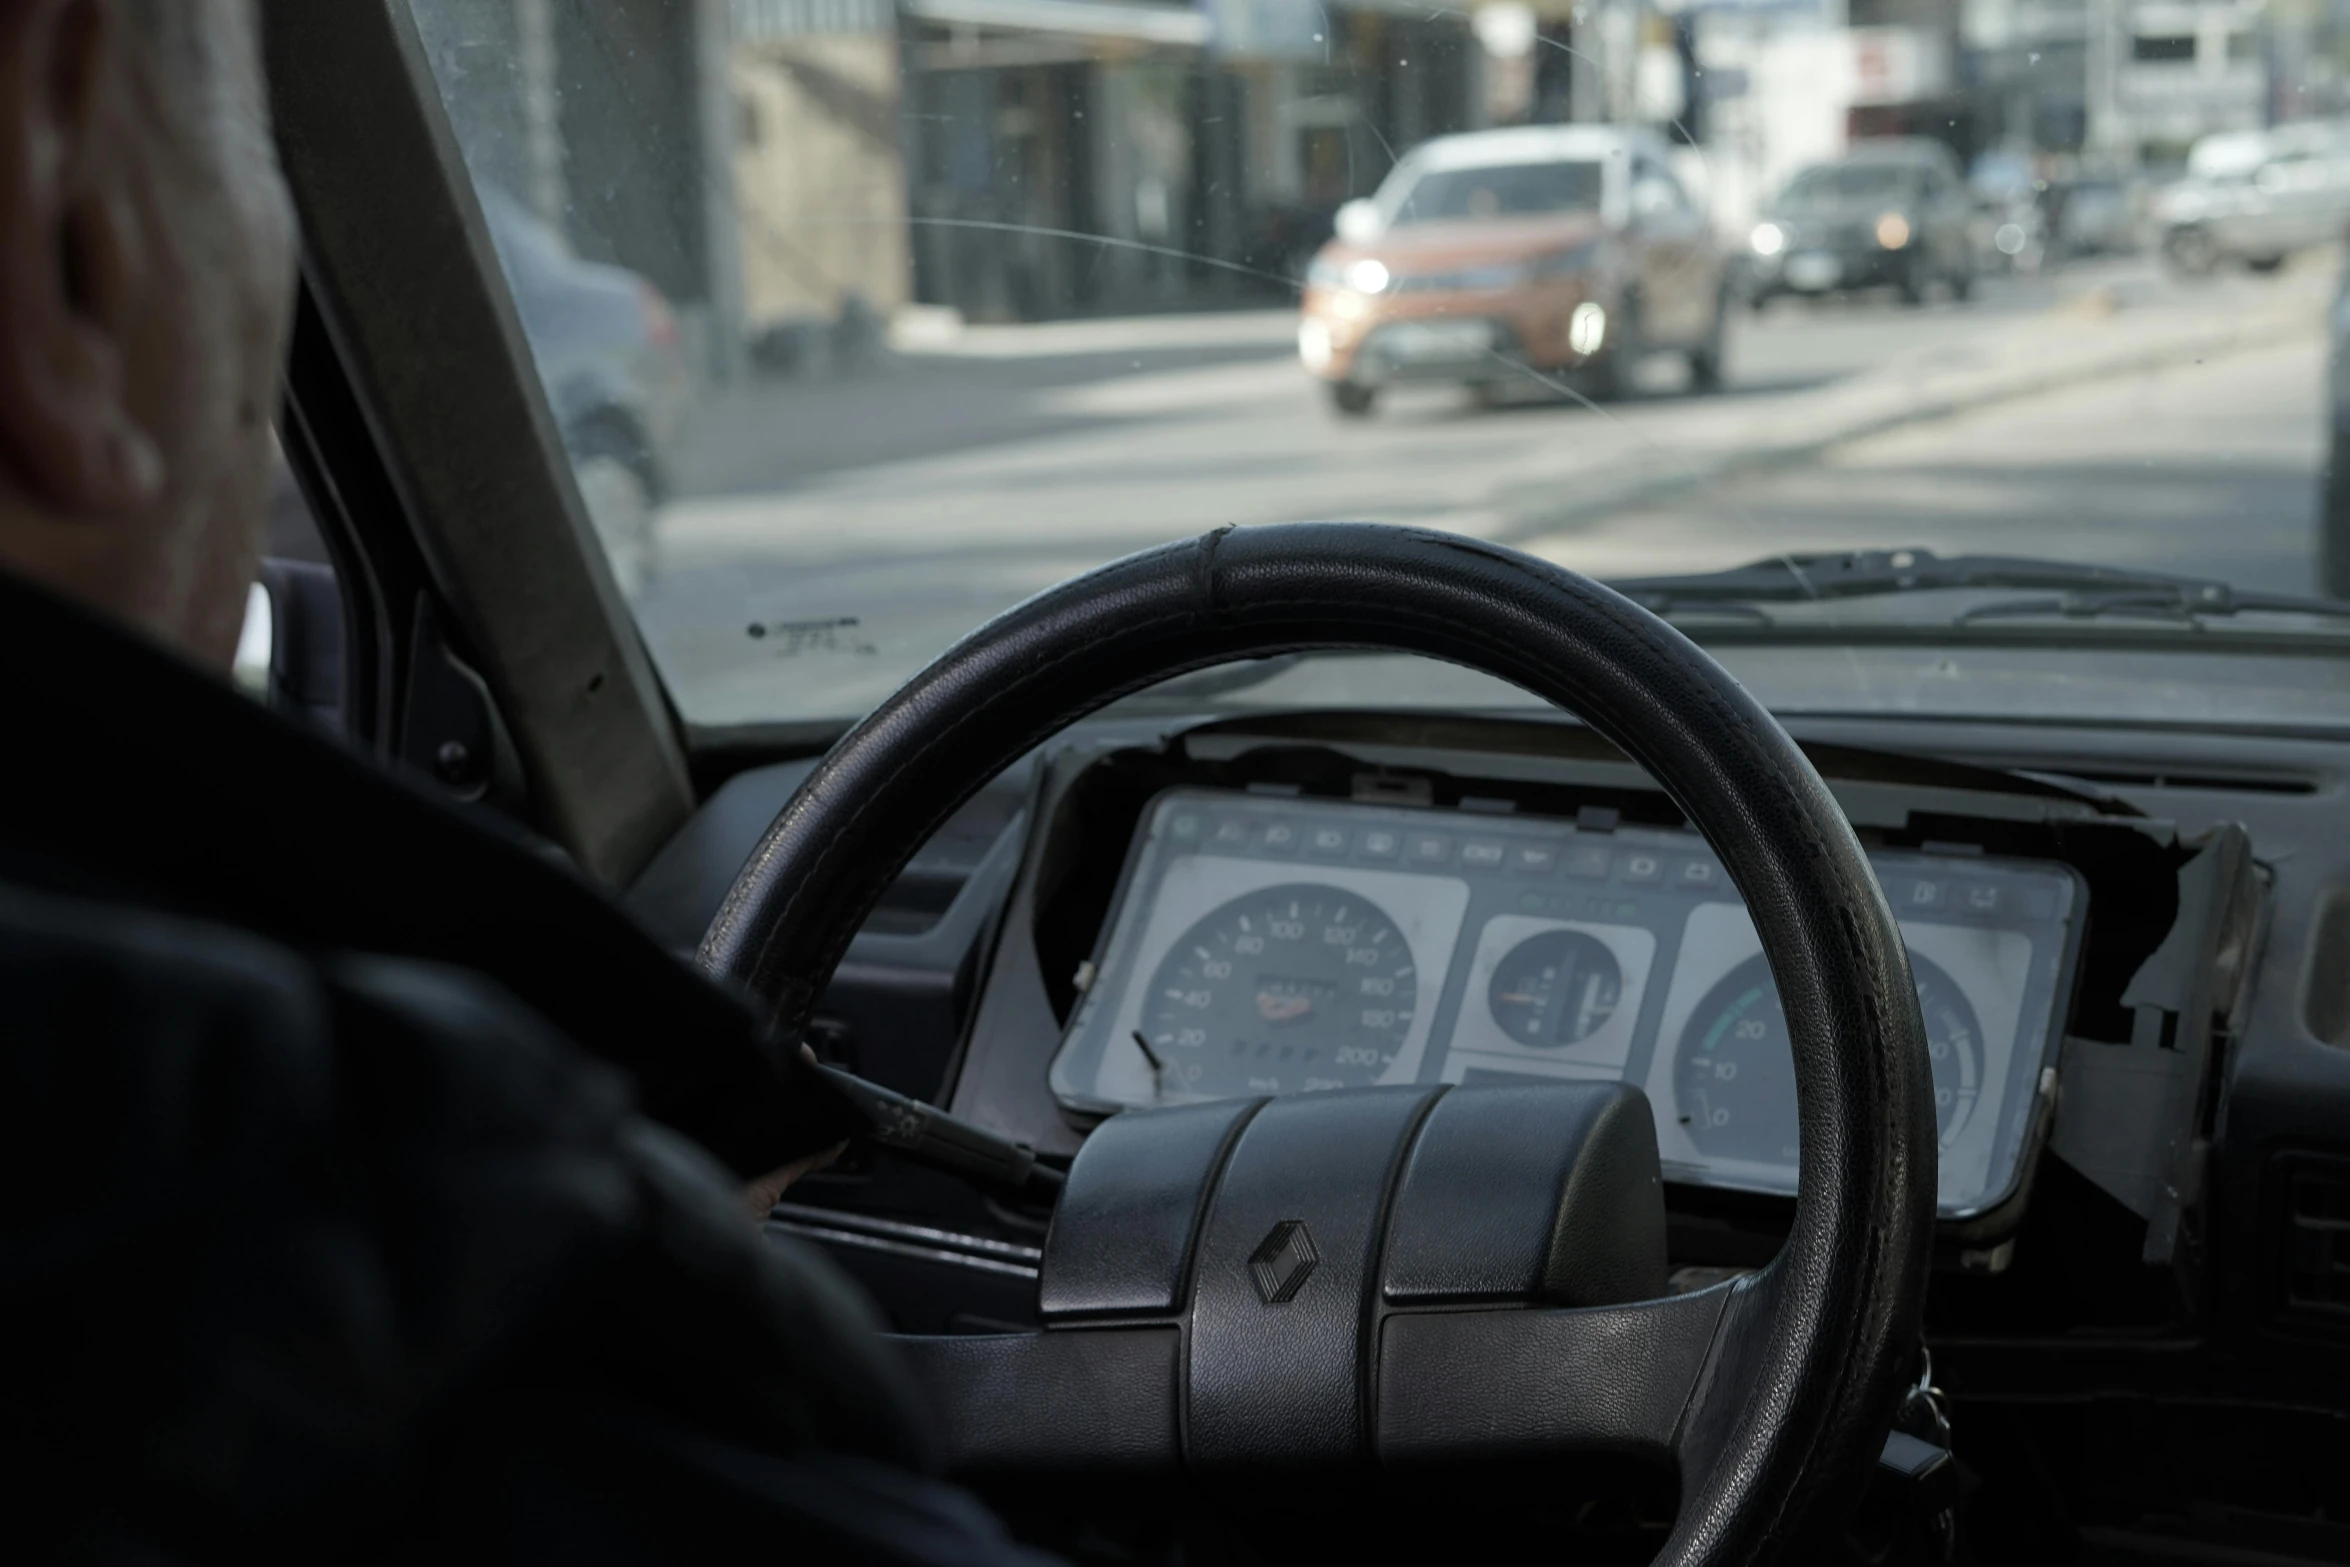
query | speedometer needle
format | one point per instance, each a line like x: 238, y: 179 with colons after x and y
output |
x: 1148, y: 1054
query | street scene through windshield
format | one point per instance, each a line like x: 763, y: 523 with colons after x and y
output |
x: 861, y: 321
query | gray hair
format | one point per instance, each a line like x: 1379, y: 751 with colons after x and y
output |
x: 187, y: 36
x: 203, y: 52
x: 168, y: 24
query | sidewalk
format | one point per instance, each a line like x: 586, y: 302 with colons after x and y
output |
x: 942, y: 334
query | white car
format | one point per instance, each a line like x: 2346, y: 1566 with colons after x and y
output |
x: 2256, y: 197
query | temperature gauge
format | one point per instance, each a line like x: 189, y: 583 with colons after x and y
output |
x: 1556, y: 988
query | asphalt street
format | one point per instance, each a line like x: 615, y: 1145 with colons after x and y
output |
x: 835, y: 534
x: 2208, y: 469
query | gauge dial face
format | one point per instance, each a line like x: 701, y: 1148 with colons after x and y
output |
x: 1295, y: 987
x: 1555, y: 988
x: 1735, y: 1071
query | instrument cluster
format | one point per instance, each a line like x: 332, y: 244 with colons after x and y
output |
x: 1272, y: 945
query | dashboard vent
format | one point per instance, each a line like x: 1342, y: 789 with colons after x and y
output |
x: 2314, y: 1246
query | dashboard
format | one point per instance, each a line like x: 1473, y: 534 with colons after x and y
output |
x: 2133, y: 955
x: 1266, y: 945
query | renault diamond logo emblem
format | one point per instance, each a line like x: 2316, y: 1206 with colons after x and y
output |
x: 1283, y: 1262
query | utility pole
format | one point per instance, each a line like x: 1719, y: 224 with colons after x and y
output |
x: 2103, y: 135
x: 542, y: 90
x: 1587, y: 83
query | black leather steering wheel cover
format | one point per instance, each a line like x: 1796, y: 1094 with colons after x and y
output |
x: 1841, y: 1304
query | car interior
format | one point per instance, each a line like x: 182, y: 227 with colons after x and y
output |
x: 1937, y: 1125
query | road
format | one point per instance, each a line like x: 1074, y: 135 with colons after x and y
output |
x: 839, y: 533
x: 2208, y: 469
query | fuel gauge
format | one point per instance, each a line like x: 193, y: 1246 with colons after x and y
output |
x: 1555, y: 988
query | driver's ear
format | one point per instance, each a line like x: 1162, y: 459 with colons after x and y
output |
x: 72, y: 235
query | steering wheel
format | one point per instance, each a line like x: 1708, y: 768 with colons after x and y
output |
x: 1772, y: 1393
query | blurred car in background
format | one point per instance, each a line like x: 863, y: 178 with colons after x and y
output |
x: 1551, y: 250
x: 2009, y: 230
x: 2096, y: 215
x: 608, y: 354
x: 1891, y: 212
x: 2256, y: 197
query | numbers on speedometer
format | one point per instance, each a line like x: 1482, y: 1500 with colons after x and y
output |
x: 1295, y: 987
x: 1735, y: 1071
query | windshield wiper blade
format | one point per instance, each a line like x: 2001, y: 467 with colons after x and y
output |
x: 2173, y: 604
x: 2081, y: 591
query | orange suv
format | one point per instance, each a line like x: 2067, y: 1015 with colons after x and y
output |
x: 1543, y: 253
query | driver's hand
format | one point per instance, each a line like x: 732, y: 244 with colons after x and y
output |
x: 767, y: 1190
x: 764, y: 1192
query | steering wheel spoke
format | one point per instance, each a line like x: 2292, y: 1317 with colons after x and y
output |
x: 1069, y: 1401
x: 1504, y: 1385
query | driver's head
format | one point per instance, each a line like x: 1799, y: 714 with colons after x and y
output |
x: 146, y: 255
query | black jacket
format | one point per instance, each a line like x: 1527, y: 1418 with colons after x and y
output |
x: 131, y: 775
x: 318, y: 1236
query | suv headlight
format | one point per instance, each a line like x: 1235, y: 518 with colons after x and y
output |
x: 1768, y: 239
x: 1314, y: 348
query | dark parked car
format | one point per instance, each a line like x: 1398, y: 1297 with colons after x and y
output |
x: 1889, y: 212
x: 2097, y: 214
x: 609, y: 357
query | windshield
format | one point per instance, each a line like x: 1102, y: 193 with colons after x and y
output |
x: 862, y: 320
x: 1840, y: 184
x: 1507, y: 190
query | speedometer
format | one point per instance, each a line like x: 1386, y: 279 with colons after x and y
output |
x: 1736, y: 1069
x: 1300, y: 986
